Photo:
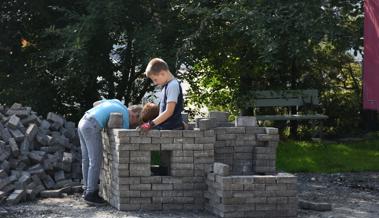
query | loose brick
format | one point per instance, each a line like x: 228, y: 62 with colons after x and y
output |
x: 219, y: 116
x: 115, y: 120
x: 16, y: 197
x: 13, y: 122
x: 246, y: 121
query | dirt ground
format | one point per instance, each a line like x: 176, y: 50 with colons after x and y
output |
x: 352, y: 195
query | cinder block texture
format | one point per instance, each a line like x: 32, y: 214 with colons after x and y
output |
x: 228, y: 170
x: 36, y: 153
x: 115, y: 120
x: 129, y: 183
x: 252, y: 195
x: 246, y: 121
x: 247, y: 149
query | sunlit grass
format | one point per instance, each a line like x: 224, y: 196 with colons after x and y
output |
x: 302, y: 156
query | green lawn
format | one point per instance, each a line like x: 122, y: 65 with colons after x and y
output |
x: 300, y: 156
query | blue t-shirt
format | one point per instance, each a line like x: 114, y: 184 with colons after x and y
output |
x: 102, y: 112
x: 172, y: 91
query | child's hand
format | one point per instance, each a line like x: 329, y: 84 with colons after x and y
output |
x: 145, y: 127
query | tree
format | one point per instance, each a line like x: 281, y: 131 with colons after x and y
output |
x: 79, y: 50
x: 244, y: 46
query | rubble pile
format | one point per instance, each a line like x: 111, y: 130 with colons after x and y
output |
x: 38, y: 157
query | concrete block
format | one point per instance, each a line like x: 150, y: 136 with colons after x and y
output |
x: 67, y: 158
x: 204, y: 124
x: 6, y: 181
x: 45, y: 124
x: 25, y: 146
x: 171, y: 147
x: 171, y: 133
x: 162, y: 187
x: 3, y: 174
x: 21, y: 112
x: 115, y: 121
x: 31, y: 119
x: 142, y: 140
x: 4, y: 156
x: 55, y: 126
x: 219, y: 116
x: 36, y: 156
x: 55, y: 118
x: 271, y: 130
x: 308, y: 205
x: 48, y: 181
x: 16, y: 196
x: 4, y: 133
x: 25, y: 179
x: 221, y: 169
x: 31, y: 131
x: 267, y: 137
x: 245, y: 121
x: 193, y: 133
x: 43, y: 139
x: 14, y: 147
x: 59, y: 175
x: 64, y: 183
x: 13, y: 122
x: 51, y: 194
x: 140, y: 170
x: 16, y: 106
x: 162, y: 140
x: 17, y: 135
x: 5, y: 164
x: 205, y: 140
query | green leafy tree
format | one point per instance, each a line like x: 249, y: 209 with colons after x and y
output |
x: 239, y: 47
x: 79, y: 50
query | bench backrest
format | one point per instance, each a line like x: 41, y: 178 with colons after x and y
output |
x: 285, y: 98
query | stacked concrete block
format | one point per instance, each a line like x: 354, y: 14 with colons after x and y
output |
x: 264, y: 154
x: 128, y: 182
x: 242, y: 183
x: 251, y: 195
x: 221, y: 118
x: 247, y: 149
x: 36, y: 154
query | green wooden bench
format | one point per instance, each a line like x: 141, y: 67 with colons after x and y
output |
x: 284, y: 102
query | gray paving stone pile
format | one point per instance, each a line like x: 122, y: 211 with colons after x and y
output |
x: 38, y: 156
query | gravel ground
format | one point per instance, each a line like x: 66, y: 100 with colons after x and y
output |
x: 352, y: 195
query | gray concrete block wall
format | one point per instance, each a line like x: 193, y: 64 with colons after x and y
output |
x: 127, y: 182
x: 247, y: 149
x: 242, y: 183
x: 246, y: 196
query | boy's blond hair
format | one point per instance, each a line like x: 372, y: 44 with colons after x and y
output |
x: 155, y: 66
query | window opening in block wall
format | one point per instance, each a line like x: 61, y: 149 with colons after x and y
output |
x: 160, y: 163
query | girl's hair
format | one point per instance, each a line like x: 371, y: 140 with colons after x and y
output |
x: 149, y: 112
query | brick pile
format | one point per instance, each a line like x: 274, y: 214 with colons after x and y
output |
x: 36, y: 154
x: 251, y: 195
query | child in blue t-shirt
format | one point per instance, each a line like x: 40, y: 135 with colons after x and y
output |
x: 171, y: 98
x: 89, y: 130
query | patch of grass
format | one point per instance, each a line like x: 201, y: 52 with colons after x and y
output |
x: 301, y: 156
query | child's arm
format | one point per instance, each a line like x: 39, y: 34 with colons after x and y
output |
x: 170, y: 107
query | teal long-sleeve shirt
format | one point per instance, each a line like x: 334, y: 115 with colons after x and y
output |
x: 102, y: 111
